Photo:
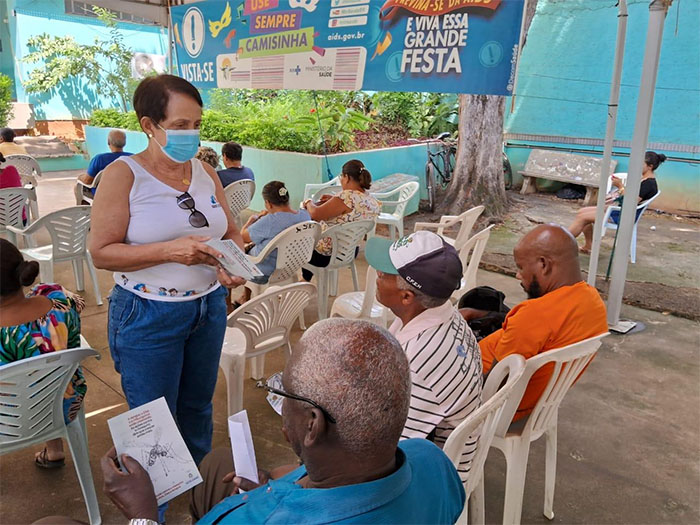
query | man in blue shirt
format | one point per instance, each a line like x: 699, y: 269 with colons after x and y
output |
x: 231, y: 154
x: 116, y: 140
x: 346, y: 391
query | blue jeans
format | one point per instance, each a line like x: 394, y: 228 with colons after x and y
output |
x: 170, y: 349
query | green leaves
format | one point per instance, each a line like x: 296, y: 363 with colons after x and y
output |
x: 105, y: 65
x: 5, y: 99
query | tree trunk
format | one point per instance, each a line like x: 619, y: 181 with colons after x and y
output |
x: 478, y: 175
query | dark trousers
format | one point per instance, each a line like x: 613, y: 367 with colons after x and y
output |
x: 317, y: 259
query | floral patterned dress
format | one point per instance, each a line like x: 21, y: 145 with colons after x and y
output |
x: 362, y: 207
x: 58, y: 329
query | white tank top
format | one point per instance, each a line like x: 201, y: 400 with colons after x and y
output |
x: 154, y: 216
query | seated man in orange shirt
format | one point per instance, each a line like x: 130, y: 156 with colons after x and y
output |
x: 561, y: 310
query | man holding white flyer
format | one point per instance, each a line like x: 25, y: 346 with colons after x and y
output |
x: 346, y: 390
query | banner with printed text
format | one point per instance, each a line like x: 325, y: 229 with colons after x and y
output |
x: 457, y: 46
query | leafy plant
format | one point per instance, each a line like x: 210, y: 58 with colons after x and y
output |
x: 5, y: 99
x: 339, y: 125
x: 113, y: 118
x: 105, y: 65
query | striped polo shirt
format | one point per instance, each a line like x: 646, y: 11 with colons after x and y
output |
x: 446, y: 378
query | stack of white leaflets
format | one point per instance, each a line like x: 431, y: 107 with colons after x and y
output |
x: 235, y: 260
x: 150, y: 436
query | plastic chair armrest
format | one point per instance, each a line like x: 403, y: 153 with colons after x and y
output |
x: 28, y: 230
x: 427, y: 226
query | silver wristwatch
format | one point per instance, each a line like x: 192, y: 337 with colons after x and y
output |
x: 142, y: 521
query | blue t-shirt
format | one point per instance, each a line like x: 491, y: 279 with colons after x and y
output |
x: 266, y: 228
x: 230, y: 175
x: 424, y: 489
x: 101, y: 161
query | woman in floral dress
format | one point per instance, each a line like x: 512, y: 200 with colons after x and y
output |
x: 47, y: 319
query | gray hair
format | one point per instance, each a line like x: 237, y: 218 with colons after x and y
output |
x: 425, y: 300
x: 116, y: 138
x: 359, y: 373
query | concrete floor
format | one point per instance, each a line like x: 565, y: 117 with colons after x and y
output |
x: 628, y: 449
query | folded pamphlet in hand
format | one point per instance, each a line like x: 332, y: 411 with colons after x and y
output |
x: 149, y: 435
x: 235, y: 260
x: 242, y: 446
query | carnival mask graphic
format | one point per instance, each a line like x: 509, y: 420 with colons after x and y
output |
x: 309, y: 5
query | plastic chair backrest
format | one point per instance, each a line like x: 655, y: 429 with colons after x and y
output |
x: 266, y: 320
x: 405, y: 193
x: 27, y: 166
x: 470, y: 254
x: 466, y: 221
x: 294, y: 246
x: 239, y: 194
x: 13, y: 201
x: 622, y: 176
x: 369, y: 293
x: 310, y: 189
x: 346, y: 238
x: 32, y: 392
x: 484, y: 420
x: 328, y: 190
x: 68, y: 229
x: 569, y: 361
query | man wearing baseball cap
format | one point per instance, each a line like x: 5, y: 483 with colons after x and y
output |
x: 416, y: 276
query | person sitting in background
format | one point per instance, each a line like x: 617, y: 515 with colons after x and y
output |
x: 116, y: 140
x: 232, y: 154
x: 585, y: 218
x: 416, y: 276
x: 353, y: 203
x: 561, y: 308
x: 260, y: 229
x: 346, y: 395
x: 8, y: 146
x: 208, y: 155
x: 9, y: 176
x: 46, y: 320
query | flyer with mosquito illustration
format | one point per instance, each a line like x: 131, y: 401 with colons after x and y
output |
x: 149, y: 435
x: 449, y: 46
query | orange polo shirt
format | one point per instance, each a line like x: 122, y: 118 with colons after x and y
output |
x: 562, y: 317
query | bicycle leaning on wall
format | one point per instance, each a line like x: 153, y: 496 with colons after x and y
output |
x: 440, y: 164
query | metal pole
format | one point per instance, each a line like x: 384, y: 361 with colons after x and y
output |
x: 170, y: 41
x: 609, y: 137
x: 520, y: 52
x: 650, y: 67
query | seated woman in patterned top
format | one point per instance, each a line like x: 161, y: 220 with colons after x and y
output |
x: 47, y: 319
x: 353, y: 203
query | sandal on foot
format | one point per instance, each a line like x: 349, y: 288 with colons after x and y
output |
x: 584, y: 250
x: 43, y: 461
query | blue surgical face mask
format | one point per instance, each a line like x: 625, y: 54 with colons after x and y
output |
x: 181, y: 145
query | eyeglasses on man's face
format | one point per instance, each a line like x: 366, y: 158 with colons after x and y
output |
x: 282, y: 393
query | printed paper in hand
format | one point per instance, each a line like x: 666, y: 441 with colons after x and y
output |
x: 235, y: 260
x: 242, y: 446
x: 275, y: 381
x: 149, y: 435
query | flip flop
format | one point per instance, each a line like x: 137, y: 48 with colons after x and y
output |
x: 584, y: 250
x: 43, y: 461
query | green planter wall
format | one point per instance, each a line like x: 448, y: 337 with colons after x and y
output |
x: 294, y: 169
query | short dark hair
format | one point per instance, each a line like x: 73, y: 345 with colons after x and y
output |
x: 15, y: 272
x: 7, y: 134
x: 232, y: 151
x: 153, y: 93
x: 276, y: 193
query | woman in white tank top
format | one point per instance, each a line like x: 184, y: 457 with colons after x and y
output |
x: 150, y: 220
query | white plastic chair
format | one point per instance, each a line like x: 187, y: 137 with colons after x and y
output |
x: 13, y: 202
x: 394, y: 220
x: 29, y: 170
x: 482, y: 423
x: 83, y: 196
x: 346, y: 238
x: 68, y: 229
x: 622, y: 176
x: 362, y: 305
x: 465, y: 221
x: 294, y: 248
x: 261, y: 325
x: 470, y: 254
x: 311, y: 189
x: 238, y: 197
x: 32, y: 412
x: 568, y: 362
x: 609, y: 224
